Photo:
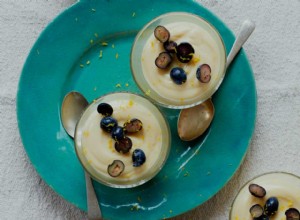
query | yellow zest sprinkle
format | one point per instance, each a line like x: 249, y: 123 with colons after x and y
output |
x: 148, y: 92
x: 96, y: 35
x: 110, y: 144
x: 100, y: 54
x: 118, y: 85
x: 86, y: 134
x: 236, y: 218
x: 282, y: 208
x: 186, y: 173
x: 133, y: 14
x: 81, y: 65
x: 181, y: 100
x: 117, y: 55
x: 126, y: 84
x: 139, y: 199
x: 88, y: 62
x: 143, y: 59
x: 195, y: 59
x: 84, y: 151
x: 91, y: 41
x: 89, y: 161
x: 135, y: 207
x: 290, y: 204
x: 104, y: 43
x: 94, y: 100
x: 130, y: 103
x: 152, y: 44
x: 113, y: 46
x: 143, y: 137
x: 93, y: 10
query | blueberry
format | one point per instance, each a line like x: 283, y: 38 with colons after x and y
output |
x: 262, y: 217
x: 162, y: 34
x: 116, y: 168
x: 271, y: 206
x: 256, y: 211
x: 108, y: 123
x: 117, y: 133
x: 124, y: 145
x: 292, y: 214
x: 163, y: 60
x: 185, y: 52
x: 133, y: 125
x: 170, y: 46
x: 203, y: 73
x: 257, y: 190
x: 178, y: 75
x: 138, y: 157
x: 105, y: 109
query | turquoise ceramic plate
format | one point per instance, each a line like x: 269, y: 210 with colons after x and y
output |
x: 71, y: 54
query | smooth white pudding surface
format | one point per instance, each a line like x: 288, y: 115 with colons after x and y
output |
x: 285, y: 187
x: 95, y: 147
x: 209, y: 49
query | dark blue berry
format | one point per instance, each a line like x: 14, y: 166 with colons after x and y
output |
x: 292, y: 214
x: 257, y: 190
x: 163, y: 60
x: 170, y: 46
x: 124, y: 145
x: 116, y: 168
x: 178, y: 75
x: 138, y: 157
x: 185, y: 52
x: 133, y: 125
x: 161, y: 33
x: 263, y: 217
x: 271, y: 206
x: 105, y: 109
x: 203, y: 73
x: 108, y: 123
x: 117, y: 133
x: 256, y: 211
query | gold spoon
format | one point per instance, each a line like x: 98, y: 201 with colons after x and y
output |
x: 193, y: 122
x: 72, y: 107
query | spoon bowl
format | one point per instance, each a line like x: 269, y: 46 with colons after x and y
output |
x: 202, y: 116
x: 72, y: 107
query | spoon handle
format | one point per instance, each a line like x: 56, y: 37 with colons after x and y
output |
x: 247, y: 28
x: 94, y: 212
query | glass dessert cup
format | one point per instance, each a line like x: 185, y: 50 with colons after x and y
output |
x: 209, y: 48
x: 282, y: 185
x: 95, y: 147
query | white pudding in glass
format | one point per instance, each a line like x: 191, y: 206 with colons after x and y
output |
x: 284, y: 186
x: 96, y: 147
x: 156, y: 82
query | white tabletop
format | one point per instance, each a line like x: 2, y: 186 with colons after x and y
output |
x: 273, y: 51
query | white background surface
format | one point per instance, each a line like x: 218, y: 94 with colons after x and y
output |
x: 273, y: 51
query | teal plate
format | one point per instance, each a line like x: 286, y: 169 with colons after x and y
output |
x: 70, y: 55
